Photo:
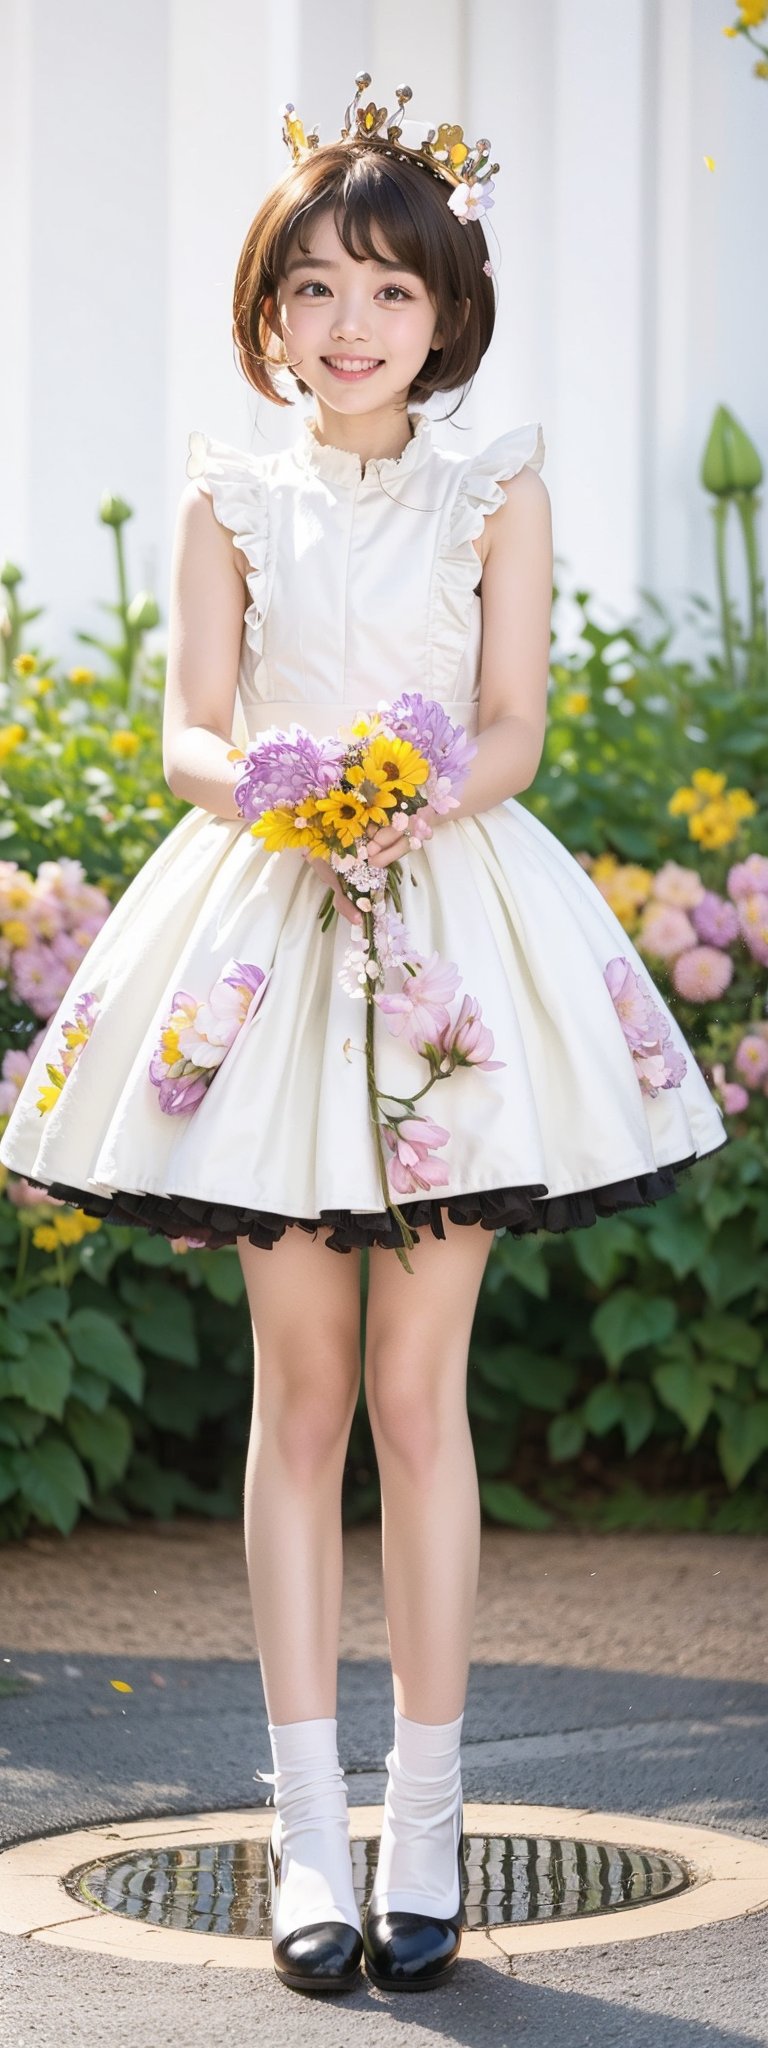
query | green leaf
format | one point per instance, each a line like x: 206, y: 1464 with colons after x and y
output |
x: 638, y: 1413
x: 742, y: 1438
x: 603, y: 1408
x: 722, y: 1203
x: 90, y: 1388
x: 44, y: 1305
x: 684, y: 1389
x: 162, y: 1318
x: 565, y: 1437
x: 19, y: 1424
x: 628, y: 1321
x: 222, y: 1274
x: 106, y: 1441
x: 9, y: 1475
x: 601, y: 1252
x: 43, y: 1376
x: 678, y: 1238
x: 98, y: 1341
x: 729, y: 1270
x: 505, y: 1503
x: 53, y: 1483
x: 740, y: 1342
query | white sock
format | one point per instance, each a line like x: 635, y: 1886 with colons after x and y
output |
x: 311, y: 1828
x: 417, y: 1869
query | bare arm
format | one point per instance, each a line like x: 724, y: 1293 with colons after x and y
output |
x: 518, y: 570
x: 207, y: 603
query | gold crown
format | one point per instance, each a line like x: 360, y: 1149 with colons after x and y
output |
x: 467, y: 168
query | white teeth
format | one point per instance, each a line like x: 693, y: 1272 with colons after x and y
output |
x: 356, y: 363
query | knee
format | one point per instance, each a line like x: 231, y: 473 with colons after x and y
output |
x: 405, y: 1407
x: 311, y: 1403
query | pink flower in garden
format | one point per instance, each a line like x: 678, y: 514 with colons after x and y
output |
x: 716, y: 920
x: 748, y: 877
x: 665, y: 931
x: 469, y: 1040
x: 751, y: 1059
x: 419, y: 1009
x: 658, y: 1063
x: 678, y: 885
x: 412, y: 1168
x: 753, y: 922
x: 702, y: 974
x: 734, y: 1098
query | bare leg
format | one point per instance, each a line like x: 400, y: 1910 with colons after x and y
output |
x: 305, y: 1310
x: 418, y: 1329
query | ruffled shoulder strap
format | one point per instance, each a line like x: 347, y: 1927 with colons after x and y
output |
x: 480, y: 486
x: 237, y: 485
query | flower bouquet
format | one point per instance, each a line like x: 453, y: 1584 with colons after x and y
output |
x: 323, y: 796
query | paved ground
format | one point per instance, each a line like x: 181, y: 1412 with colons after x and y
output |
x: 611, y: 1672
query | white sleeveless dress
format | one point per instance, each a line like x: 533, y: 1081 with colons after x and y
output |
x: 361, y: 584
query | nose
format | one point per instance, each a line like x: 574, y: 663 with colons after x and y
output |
x: 350, y: 325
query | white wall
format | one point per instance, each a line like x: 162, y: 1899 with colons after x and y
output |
x: 136, y: 144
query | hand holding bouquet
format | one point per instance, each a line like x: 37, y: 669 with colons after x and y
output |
x: 385, y: 779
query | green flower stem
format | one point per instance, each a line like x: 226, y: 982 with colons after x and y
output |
x: 720, y: 514
x: 746, y: 506
x: 373, y: 1101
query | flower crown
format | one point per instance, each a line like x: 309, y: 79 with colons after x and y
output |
x: 442, y: 150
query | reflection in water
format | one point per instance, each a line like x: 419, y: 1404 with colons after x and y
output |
x: 222, y: 1888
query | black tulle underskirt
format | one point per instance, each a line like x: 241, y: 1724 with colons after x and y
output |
x: 517, y: 1210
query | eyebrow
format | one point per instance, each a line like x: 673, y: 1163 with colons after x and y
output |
x: 326, y: 263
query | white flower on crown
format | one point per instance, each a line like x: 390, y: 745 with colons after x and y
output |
x: 468, y: 201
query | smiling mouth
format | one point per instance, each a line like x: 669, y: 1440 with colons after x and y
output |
x: 352, y: 366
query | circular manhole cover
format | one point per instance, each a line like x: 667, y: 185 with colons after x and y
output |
x: 223, y: 1888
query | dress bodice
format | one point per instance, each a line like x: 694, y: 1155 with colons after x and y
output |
x: 362, y: 579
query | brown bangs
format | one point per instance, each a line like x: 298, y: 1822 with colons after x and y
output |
x: 382, y: 204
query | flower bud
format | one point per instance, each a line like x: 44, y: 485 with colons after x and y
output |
x: 731, y: 461
x: 143, y: 611
x: 113, y: 511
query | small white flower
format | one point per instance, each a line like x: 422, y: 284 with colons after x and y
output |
x: 468, y: 201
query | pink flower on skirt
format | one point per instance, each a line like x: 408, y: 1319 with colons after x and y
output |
x: 412, y: 1169
x: 658, y: 1064
x: 469, y: 1039
x: 419, y: 1009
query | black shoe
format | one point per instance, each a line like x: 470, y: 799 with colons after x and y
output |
x: 325, y: 1956
x: 413, y: 1951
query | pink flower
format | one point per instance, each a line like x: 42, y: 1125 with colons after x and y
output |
x: 658, y: 1063
x: 678, y: 885
x: 748, y: 876
x: 751, y: 1059
x: 469, y: 1040
x: 716, y: 920
x: 196, y: 1036
x: 753, y: 922
x: 419, y: 1009
x: 665, y: 931
x: 702, y: 974
x: 412, y: 1169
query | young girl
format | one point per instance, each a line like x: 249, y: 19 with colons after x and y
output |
x: 310, y: 587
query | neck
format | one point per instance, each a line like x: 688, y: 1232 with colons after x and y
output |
x: 373, y: 436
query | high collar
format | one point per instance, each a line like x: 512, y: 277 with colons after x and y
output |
x: 342, y: 466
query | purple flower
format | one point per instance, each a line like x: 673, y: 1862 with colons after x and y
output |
x: 419, y: 1008
x: 714, y: 919
x: 469, y: 1040
x: 444, y: 744
x: 286, y: 770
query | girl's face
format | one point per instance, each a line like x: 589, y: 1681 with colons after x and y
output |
x: 356, y: 331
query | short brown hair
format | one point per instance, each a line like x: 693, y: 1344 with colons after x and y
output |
x: 368, y: 188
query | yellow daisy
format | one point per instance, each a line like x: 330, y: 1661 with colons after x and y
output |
x: 394, y: 767
x: 344, y: 814
x: 278, y: 831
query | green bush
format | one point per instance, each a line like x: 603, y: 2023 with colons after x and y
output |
x: 617, y: 1374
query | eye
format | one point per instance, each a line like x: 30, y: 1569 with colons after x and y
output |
x: 397, y: 288
x: 310, y: 286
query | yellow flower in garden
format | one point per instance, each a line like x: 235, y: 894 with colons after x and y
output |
x: 45, y: 1237
x: 760, y: 69
x: 24, y: 664
x: 344, y: 814
x: 576, y: 702
x: 11, y: 737
x: 40, y: 685
x: 740, y: 803
x: 713, y: 826
x: 154, y: 800
x: 17, y: 933
x: 710, y: 783
x: 393, y: 767
x: 124, y: 743
x: 81, y: 675
x: 604, y: 866
x: 752, y: 12
x: 277, y: 829
x: 683, y: 801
